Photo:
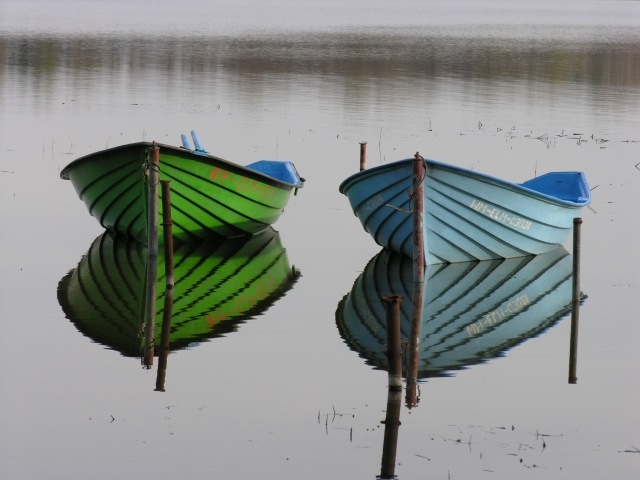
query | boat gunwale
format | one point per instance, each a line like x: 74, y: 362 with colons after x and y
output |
x: 206, y: 158
x: 378, y: 169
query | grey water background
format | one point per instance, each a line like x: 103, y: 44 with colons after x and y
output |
x: 513, y: 89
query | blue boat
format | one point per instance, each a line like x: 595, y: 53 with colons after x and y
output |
x: 467, y: 215
x: 471, y: 311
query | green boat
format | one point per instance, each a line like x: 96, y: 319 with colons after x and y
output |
x: 218, y: 285
x: 210, y: 197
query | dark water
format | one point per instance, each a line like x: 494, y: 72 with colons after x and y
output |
x: 510, y: 89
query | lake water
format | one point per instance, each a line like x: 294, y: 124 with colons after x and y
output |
x: 513, y: 89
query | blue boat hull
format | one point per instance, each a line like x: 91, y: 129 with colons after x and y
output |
x: 471, y: 312
x: 468, y: 216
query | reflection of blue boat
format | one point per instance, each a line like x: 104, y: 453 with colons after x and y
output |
x: 467, y: 215
x: 218, y: 285
x: 473, y: 311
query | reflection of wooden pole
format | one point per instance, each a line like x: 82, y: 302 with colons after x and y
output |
x: 391, y: 427
x: 575, y: 302
x: 413, y: 347
x: 152, y: 254
x: 392, y: 305
x: 165, y: 335
x: 363, y: 155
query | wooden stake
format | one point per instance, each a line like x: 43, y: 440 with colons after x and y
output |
x: 363, y: 156
x: 152, y: 254
x: 418, y: 218
x: 167, y: 230
x: 165, y: 340
x: 418, y: 279
x: 165, y: 335
x: 392, y: 305
x: 413, y: 346
x: 391, y: 427
x: 575, y: 302
x: 577, y: 226
x: 152, y: 191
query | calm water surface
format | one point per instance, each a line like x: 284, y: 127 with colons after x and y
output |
x: 513, y: 89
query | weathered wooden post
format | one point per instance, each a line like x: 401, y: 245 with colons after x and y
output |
x: 152, y: 253
x: 413, y: 346
x: 153, y: 175
x: 394, y: 396
x: 392, y: 306
x: 165, y: 335
x: 577, y: 226
x: 419, y: 172
x: 167, y: 230
x: 575, y: 302
x: 391, y: 428
x: 363, y: 156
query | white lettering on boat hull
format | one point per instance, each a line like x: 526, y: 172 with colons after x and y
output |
x: 500, y: 216
x: 497, y: 316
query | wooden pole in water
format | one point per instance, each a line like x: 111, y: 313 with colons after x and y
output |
x: 165, y: 335
x: 413, y: 347
x: 363, y: 156
x: 152, y: 254
x: 418, y: 280
x: 575, y: 302
x: 577, y: 226
x: 165, y: 340
x: 418, y: 217
x: 391, y: 427
x: 152, y: 213
x: 394, y: 396
x: 167, y: 231
x: 392, y: 306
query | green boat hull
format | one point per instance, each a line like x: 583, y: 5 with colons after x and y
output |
x: 210, y: 197
x: 218, y: 285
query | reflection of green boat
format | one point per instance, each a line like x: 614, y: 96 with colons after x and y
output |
x: 217, y: 285
x: 210, y: 197
x: 472, y: 311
